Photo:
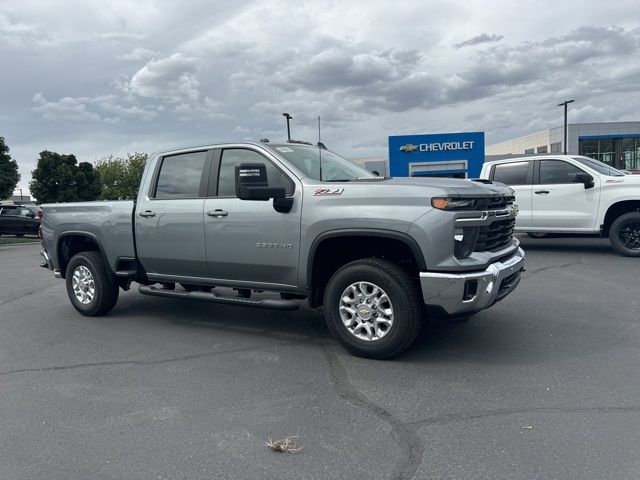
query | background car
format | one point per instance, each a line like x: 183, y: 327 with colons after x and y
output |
x: 20, y: 220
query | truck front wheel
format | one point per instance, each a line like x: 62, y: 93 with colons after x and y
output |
x: 373, y: 308
x: 90, y: 285
x: 624, y: 234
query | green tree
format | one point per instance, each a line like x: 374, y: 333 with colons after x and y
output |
x: 120, y: 176
x: 59, y: 178
x: 9, y: 175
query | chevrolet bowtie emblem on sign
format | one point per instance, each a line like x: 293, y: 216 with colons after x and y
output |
x: 408, y: 148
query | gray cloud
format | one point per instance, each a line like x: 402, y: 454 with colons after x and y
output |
x: 478, y: 39
x: 126, y: 78
x: 171, y: 78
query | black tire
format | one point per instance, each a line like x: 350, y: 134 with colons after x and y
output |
x: 537, y: 234
x: 105, y: 287
x: 624, y: 234
x: 402, y: 292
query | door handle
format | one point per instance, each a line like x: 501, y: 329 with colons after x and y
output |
x: 147, y: 213
x: 542, y: 192
x: 217, y: 213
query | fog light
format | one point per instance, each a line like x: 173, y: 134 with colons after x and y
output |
x: 470, y: 290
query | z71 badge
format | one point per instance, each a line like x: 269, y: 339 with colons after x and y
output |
x: 328, y: 191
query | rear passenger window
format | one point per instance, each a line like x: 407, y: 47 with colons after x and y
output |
x: 557, y: 172
x: 512, y: 173
x: 180, y: 175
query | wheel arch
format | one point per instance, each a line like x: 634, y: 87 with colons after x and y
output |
x: 390, y: 244
x: 617, y: 209
x: 71, y: 243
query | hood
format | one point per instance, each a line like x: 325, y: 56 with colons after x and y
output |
x: 462, y: 187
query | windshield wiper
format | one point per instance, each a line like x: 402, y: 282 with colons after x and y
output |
x: 339, y: 180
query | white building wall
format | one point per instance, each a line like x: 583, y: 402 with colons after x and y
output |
x: 519, y: 145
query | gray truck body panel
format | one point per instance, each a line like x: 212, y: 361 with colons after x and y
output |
x: 109, y: 224
x: 250, y: 245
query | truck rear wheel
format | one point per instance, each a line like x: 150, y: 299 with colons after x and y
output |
x: 90, y: 286
x: 624, y: 234
x: 373, y: 308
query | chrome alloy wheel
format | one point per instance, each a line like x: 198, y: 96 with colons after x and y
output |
x: 366, y: 311
x: 84, y: 287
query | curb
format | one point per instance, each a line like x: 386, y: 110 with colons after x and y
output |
x: 18, y: 244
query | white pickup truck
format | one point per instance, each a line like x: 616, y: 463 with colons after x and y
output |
x: 572, y: 194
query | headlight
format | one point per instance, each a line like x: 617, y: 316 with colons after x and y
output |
x: 444, y: 203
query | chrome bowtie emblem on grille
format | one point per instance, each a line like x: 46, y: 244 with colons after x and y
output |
x: 408, y: 148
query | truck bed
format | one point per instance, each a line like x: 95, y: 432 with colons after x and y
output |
x: 110, y: 223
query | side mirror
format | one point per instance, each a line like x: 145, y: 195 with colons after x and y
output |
x: 252, y: 183
x: 31, y: 215
x: 584, y: 178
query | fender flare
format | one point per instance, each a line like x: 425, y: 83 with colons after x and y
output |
x: 364, y: 232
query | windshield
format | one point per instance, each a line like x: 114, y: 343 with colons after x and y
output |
x: 599, y: 167
x: 334, y: 167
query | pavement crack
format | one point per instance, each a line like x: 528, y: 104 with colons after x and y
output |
x: 410, y: 444
x: 551, y: 267
x: 30, y: 292
x: 183, y: 358
x: 464, y: 416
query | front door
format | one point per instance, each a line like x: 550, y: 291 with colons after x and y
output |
x: 248, y: 240
x: 170, y: 217
x: 561, y: 203
x: 519, y: 176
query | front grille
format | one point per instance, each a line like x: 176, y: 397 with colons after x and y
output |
x: 501, y: 202
x: 495, y: 235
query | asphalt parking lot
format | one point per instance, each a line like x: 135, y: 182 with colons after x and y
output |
x: 543, y: 385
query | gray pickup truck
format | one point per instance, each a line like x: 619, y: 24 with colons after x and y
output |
x: 380, y: 254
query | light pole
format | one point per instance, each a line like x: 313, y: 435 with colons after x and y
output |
x: 565, y: 103
x: 288, y: 117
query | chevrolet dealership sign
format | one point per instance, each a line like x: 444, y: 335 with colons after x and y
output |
x: 437, y: 146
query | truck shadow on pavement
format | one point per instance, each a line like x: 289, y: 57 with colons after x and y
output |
x: 486, y: 339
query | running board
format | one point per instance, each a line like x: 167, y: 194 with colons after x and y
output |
x: 272, y: 304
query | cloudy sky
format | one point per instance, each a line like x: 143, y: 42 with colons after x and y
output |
x: 107, y: 77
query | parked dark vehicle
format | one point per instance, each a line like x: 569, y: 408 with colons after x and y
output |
x: 20, y: 220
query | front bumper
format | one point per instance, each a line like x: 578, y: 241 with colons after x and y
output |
x: 455, y: 292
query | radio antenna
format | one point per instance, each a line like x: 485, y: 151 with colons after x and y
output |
x: 320, y: 147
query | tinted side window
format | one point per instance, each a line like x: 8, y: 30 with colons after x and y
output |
x: 9, y: 211
x: 180, y: 175
x: 511, y: 173
x: 235, y: 156
x: 557, y: 171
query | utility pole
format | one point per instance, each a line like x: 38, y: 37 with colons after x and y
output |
x: 565, y: 103
x: 288, y: 117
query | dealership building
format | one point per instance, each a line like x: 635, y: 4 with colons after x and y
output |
x: 457, y: 155
x: 614, y: 143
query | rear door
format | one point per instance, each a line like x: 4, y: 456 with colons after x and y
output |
x: 169, y: 218
x: 9, y: 221
x: 519, y: 176
x: 248, y: 240
x: 561, y: 203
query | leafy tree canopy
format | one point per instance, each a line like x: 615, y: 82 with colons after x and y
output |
x: 120, y: 176
x: 59, y: 178
x: 9, y: 175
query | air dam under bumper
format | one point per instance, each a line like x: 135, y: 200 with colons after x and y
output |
x: 448, y: 290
